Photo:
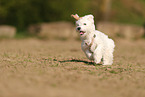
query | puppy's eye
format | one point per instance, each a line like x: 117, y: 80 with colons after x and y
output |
x: 77, y: 24
x: 85, y: 24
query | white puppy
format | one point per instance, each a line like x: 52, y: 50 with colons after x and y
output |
x: 95, y: 44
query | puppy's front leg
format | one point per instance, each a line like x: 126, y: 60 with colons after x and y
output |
x: 93, y: 47
x: 89, y: 54
x: 98, y: 54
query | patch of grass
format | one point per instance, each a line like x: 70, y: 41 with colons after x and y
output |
x: 130, y: 65
x: 113, y: 71
x: 116, y: 70
x: 22, y: 35
x: 6, y: 54
x: 121, y: 69
x: 53, y: 85
x: 54, y: 65
x: 92, y: 72
x: 5, y: 37
x: 101, y: 67
x: 121, y: 78
x: 74, y: 68
x: 103, y: 78
x: 54, y: 59
x: 28, y: 60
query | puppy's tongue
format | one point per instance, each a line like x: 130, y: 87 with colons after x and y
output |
x: 81, y: 33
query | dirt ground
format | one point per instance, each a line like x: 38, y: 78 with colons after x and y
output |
x: 48, y: 68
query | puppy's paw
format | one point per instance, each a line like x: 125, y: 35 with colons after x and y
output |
x: 97, y: 62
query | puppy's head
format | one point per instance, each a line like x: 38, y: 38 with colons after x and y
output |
x: 84, y: 25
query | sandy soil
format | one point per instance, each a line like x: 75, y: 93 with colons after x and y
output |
x: 46, y: 68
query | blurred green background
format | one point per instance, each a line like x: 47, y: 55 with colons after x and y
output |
x: 22, y: 13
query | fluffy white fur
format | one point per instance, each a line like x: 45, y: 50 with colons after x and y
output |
x: 95, y: 44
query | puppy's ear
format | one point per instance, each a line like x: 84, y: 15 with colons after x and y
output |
x: 91, y: 18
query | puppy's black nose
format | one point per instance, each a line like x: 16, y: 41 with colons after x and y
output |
x: 79, y: 28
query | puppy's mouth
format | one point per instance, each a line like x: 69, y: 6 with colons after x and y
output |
x: 82, y: 32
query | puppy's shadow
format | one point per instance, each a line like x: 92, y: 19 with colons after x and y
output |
x: 82, y: 61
